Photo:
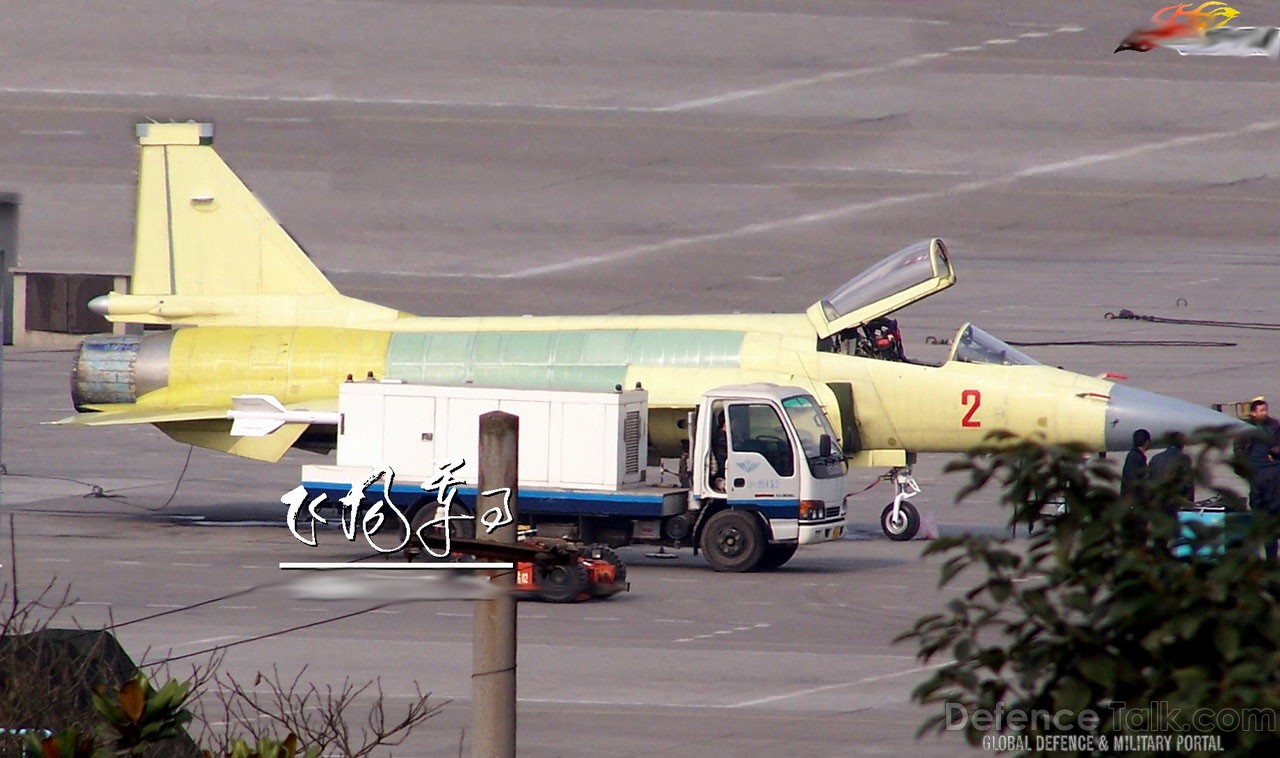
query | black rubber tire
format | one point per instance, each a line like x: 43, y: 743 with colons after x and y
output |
x: 563, y: 584
x: 907, y: 525
x: 733, y: 541
x: 425, y: 512
x: 608, y: 555
x: 775, y: 556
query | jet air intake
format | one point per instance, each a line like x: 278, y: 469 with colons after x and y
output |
x: 119, y: 368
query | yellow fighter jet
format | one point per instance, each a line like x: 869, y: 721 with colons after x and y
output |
x: 262, y: 341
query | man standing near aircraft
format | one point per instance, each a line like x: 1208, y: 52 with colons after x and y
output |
x: 1134, y: 473
x: 1266, y: 495
x: 1261, y: 442
x: 1173, y: 466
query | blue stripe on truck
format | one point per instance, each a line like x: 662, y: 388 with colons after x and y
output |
x: 555, y: 502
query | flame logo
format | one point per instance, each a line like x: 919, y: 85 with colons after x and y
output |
x: 1199, y: 18
x: 1175, y: 24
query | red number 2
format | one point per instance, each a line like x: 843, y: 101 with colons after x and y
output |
x: 968, y: 420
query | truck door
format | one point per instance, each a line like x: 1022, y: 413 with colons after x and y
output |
x: 761, y: 461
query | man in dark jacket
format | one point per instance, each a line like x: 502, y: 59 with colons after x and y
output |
x: 1172, y: 469
x: 1134, y: 473
x: 1266, y: 496
x: 1263, y: 441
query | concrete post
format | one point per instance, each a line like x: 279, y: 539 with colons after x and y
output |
x: 493, y: 674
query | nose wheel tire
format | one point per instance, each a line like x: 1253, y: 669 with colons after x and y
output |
x: 905, y: 526
x: 733, y: 541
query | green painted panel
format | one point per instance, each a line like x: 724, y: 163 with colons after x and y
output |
x: 672, y: 347
x: 575, y: 359
x: 606, y: 348
x: 533, y: 348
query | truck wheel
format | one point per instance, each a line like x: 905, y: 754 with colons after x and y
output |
x: 459, y: 526
x: 733, y: 541
x: 777, y: 555
x: 906, y: 525
x: 607, y: 554
x: 563, y: 584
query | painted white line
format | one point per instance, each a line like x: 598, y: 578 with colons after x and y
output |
x: 1002, y: 41
x: 1069, y: 29
x: 239, y: 607
x: 808, y: 81
x: 841, y: 685
x: 125, y: 563
x: 853, y: 209
x: 387, y: 613
x: 964, y: 49
x: 1033, y: 35
x: 455, y: 615
x: 53, y: 560
x: 673, y: 621
x: 601, y: 618
x: 207, y: 640
x: 931, y: 56
x: 90, y: 602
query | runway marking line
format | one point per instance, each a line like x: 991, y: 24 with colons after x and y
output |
x: 852, y: 209
x: 829, y: 687
x: 205, y: 641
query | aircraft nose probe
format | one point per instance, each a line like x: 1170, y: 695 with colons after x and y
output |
x: 1130, y: 409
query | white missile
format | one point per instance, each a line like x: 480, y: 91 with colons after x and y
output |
x: 260, y: 415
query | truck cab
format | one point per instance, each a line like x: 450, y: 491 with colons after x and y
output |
x: 767, y: 475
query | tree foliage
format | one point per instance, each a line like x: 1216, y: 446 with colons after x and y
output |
x: 1110, y: 607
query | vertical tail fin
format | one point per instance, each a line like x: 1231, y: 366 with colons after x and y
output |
x: 202, y: 232
x: 208, y: 252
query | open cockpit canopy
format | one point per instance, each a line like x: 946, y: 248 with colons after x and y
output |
x: 908, y: 275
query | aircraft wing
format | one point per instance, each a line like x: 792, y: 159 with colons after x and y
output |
x: 210, y: 425
x: 129, y: 413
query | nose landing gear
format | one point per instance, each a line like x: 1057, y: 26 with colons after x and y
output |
x: 900, y: 520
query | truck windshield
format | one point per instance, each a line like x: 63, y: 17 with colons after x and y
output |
x: 810, y: 424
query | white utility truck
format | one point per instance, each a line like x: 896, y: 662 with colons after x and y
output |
x: 760, y: 475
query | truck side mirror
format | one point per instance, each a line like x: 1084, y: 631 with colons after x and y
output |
x: 824, y: 446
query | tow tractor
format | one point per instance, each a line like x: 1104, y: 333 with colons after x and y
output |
x: 546, y: 569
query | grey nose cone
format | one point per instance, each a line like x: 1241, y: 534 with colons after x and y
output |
x: 1131, y: 409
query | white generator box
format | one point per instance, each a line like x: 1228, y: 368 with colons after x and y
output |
x: 568, y: 438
